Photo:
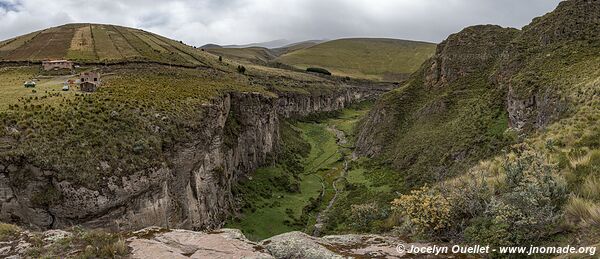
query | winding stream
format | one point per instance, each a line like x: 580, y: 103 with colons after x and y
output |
x: 322, y: 215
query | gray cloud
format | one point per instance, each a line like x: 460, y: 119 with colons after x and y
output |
x: 244, y: 21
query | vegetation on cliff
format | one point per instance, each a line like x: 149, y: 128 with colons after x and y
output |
x: 516, y: 162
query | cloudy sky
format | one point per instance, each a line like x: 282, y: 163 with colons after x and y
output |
x: 199, y: 22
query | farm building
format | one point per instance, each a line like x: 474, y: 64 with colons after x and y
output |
x: 57, y: 64
x: 89, y: 81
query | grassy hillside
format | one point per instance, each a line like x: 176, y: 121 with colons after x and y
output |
x: 252, y: 54
x: 99, y: 43
x: 501, y: 127
x: 380, y: 59
x: 118, y: 124
x: 296, y: 46
x: 258, y: 55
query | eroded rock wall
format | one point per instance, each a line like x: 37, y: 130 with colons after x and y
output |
x: 192, y: 188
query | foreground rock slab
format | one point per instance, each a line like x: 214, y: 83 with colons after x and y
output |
x: 159, y: 243
x: 225, y: 243
x: 231, y: 243
x: 300, y: 245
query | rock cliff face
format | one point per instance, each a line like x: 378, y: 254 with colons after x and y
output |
x: 192, y: 190
x: 533, y: 74
x: 466, y: 52
x: 532, y: 62
x: 460, y: 66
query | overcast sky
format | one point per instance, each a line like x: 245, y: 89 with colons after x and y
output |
x: 198, y: 22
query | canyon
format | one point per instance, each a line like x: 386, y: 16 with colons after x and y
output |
x: 192, y: 191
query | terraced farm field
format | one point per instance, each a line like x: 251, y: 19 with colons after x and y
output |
x: 100, y: 43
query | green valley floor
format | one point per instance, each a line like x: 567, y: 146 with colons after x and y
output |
x: 302, y: 200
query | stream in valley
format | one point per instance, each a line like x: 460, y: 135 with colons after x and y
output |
x: 320, y: 185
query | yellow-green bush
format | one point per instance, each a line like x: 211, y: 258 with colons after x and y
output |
x: 426, y: 208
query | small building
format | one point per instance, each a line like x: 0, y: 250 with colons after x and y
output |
x: 57, y: 64
x: 89, y: 81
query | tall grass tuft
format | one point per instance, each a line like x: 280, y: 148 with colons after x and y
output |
x: 582, y: 212
x: 591, y: 188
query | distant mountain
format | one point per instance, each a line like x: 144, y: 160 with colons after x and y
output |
x: 211, y: 46
x: 256, y: 54
x: 269, y: 44
x: 296, y: 46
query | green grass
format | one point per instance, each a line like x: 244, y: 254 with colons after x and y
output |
x: 271, y: 207
x: 279, y: 207
x: 379, y: 59
x: 8, y: 232
x: 48, y: 90
x: 324, y: 149
x: 104, y: 45
x: 113, y: 125
x: 458, y: 130
x: 430, y: 134
x: 271, y: 217
x: 253, y: 55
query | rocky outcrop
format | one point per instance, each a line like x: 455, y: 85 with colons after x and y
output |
x: 531, y: 64
x: 156, y: 242
x: 231, y: 243
x: 536, y: 71
x: 223, y: 243
x: 461, y: 54
x: 295, y: 105
x: 190, y: 190
x: 473, y: 52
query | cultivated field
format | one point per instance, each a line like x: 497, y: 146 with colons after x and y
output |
x: 96, y: 43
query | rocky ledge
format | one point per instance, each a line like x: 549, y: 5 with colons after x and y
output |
x: 156, y: 242
x: 231, y: 243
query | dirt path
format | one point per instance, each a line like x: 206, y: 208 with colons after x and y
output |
x: 322, y: 216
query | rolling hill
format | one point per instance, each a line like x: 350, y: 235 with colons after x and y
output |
x: 269, y: 44
x: 250, y: 54
x: 259, y: 55
x: 93, y: 43
x: 379, y: 59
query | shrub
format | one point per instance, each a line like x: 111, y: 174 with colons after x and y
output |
x: 363, y: 214
x: 103, y: 245
x: 318, y: 70
x: 526, y: 206
x: 241, y: 69
x: 8, y: 231
x: 426, y: 209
